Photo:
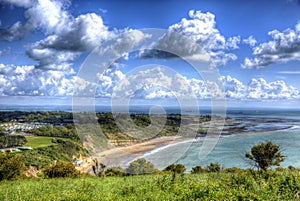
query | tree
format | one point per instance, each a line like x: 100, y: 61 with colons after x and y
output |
x: 11, y: 166
x: 12, y: 141
x: 175, y: 169
x: 140, y: 166
x: 114, y: 171
x: 61, y: 169
x: 197, y: 170
x: 213, y: 167
x: 265, y: 155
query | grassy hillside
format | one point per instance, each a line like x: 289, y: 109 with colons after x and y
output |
x: 37, y: 141
x: 283, y: 185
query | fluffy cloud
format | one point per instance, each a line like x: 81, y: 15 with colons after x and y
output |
x: 152, y: 83
x: 258, y: 89
x: 250, y: 41
x: 157, y: 83
x: 26, y: 80
x: 66, y: 36
x: 198, y: 29
x: 261, y: 89
x: 284, y: 47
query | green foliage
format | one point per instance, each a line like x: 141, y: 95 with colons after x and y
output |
x: 56, y: 117
x: 67, y: 131
x: 176, y: 168
x: 207, y: 186
x: 43, y: 156
x: 197, y: 170
x: 2, y: 131
x: 12, y: 141
x: 213, y: 167
x: 114, y: 171
x: 11, y: 166
x: 265, y: 155
x: 233, y: 170
x: 140, y: 166
x: 61, y: 169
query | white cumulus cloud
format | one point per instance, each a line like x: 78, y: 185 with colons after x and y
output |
x: 199, y: 29
x: 284, y: 47
x: 250, y: 41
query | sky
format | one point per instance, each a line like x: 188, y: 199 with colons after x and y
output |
x: 254, y: 46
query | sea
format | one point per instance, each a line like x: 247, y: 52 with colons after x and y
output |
x: 280, y: 126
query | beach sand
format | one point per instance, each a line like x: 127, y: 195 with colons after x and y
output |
x: 121, y: 156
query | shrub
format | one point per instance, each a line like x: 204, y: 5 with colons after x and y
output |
x: 265, y: 155
x: 12, y: 141
x: 213, y: 167
x: 233, y: 170
x: 114, y: 171
x: 140, y: 166
x: 11, y: 166
x: 61, y: 169
x: 197, y: 170
x: 176, y: 168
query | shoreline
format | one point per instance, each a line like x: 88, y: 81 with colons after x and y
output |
x: 122, y: 156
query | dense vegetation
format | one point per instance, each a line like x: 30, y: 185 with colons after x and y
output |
x: 11, y: 166
x: 61, y: 169
x: 66, y: 131
x: 248, y: 185
x: 45, y: 117
x: 64, y: 150
x: 12, y: 141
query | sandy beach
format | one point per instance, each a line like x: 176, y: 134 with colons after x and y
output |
x: 121, y: 156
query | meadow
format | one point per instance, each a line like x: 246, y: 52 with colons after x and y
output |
x: 246, y: 185
x: 41, y: 141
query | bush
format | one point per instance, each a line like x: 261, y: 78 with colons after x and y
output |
x: 197, y: 170
x: 114, y: 171
x: 11, y: 166
x: 12, y: 141
x: 265, y: 155
x: 140, y: 166
x: 61, y: 169
x: 233, y: 170
x: 176, y: 168
x: 213, y: 167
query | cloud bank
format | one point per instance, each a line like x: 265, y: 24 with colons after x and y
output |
x: 150, y: 84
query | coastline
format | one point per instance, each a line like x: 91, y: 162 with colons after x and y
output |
x: 122, y: 156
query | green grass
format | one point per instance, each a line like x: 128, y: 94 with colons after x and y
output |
x: 41, y: 141
x: 209, y: 186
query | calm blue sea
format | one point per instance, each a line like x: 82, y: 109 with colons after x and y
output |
x: 282, y: 127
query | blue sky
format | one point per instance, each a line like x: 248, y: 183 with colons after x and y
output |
x: 254, y: 45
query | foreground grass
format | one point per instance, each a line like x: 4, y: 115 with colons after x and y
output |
x: 210, y: 186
